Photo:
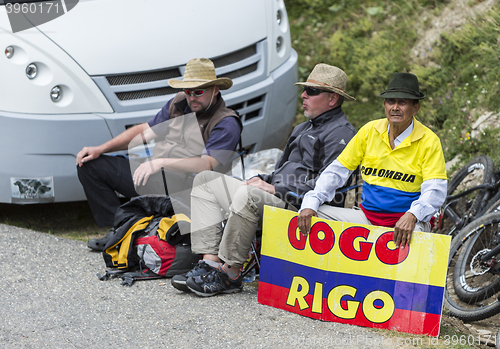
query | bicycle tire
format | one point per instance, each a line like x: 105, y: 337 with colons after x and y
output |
x: 492, y: 206
x: 452, y: 303
x: 477, y: 171
x: 473, y: 280
x: 497, y: 340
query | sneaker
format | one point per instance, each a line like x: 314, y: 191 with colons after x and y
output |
x: 215, y: 282
x: 98, y: 244
x: 179, y: 281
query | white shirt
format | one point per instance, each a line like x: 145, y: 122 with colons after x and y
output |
x: 403, y: 135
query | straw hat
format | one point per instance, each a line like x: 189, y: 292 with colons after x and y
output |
x: 403, y: 85
x: 329, y: 78
x: 200, y: 73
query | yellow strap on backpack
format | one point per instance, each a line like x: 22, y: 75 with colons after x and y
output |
x: 167, y: 223
x: 119, y: 257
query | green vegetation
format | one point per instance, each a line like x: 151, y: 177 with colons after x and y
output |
x: 468, y: 80
x: 371, y: 40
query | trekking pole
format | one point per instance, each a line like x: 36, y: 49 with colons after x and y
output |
x: 164, y: 180
x: 146, y: 148
x: 148, y: 154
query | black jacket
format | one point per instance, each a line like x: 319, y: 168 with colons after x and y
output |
x: 312, y: 146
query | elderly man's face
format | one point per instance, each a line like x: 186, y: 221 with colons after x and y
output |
x: 202, y: 102
x: 318, y: 104
x: 400, y: 111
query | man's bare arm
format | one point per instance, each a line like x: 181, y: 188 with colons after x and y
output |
x: 120, y: 142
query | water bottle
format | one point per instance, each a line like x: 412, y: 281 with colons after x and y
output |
x: 250, y: 277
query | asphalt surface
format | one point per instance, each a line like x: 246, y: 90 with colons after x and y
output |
x: 50, y: 297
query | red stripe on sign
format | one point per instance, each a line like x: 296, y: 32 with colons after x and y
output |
x: 401, y: 320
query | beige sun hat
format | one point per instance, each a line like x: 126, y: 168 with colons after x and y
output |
x: 200, y: 73
x: 328, y: 78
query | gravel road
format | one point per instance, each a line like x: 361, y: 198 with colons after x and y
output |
x: 50, y: 297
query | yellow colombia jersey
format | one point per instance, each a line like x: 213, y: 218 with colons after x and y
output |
x: 392, y: 178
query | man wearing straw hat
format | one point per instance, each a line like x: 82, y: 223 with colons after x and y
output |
x: 311, y: 147
x: 102, y: 176
x: 402, y: 165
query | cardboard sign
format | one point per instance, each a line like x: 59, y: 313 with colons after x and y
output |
x: 353, y: 273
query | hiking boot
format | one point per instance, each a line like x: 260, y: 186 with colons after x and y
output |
x: 98, y: 244
x: 179, y: 281
x: 215, y: 282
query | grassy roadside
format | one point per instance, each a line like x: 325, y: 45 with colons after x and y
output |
x: 72, y: 220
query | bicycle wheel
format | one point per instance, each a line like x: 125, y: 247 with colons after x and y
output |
x: 477, y: 171
x: 469, y: 310
x: 474, y: 280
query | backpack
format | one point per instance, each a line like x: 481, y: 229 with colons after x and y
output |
x: 149, y: 247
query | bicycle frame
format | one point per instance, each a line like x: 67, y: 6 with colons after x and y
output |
x: 460, y: 222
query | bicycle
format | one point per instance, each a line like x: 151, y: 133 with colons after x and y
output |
x: 469, y: 216
x: 473, y: 280
x: 468, y: 195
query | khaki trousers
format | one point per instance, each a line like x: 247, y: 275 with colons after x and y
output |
x: 216, y: 197
x: 356, y: 215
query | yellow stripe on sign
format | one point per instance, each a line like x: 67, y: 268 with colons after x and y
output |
x: 355, y: 249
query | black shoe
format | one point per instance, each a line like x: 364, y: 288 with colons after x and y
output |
x: 179, y: 281
x: 215, y: 282
x: 98, y: 244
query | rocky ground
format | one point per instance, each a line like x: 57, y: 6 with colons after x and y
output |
x: 485, y: 329
x: 50, y: 297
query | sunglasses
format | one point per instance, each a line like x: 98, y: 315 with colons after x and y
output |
x: 311, y: 91
x: 195, y: 93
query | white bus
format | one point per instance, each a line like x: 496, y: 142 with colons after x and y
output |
x: 84, y: 77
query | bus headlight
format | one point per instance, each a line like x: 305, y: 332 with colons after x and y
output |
x: 55, y: 94
x: 9, y: 52
x: 31, y: 71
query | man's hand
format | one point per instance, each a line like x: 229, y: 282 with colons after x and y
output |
x: 87, y: 154
x: 259, y: 183
x: 304, y: 220
x: 403, y: 229
x: 145, y: 170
